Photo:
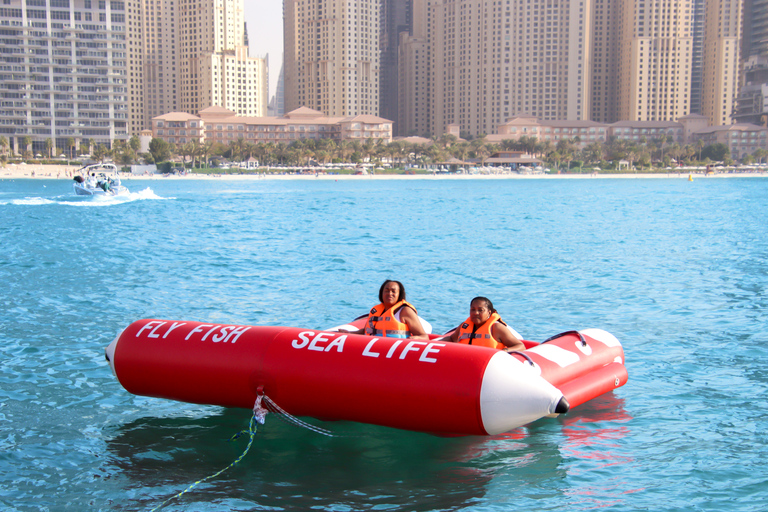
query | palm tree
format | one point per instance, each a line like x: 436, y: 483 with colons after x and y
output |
x: 544, y: 147
x: 26, y: 143
x: 4, y: 145
x: 194, y: 151
x: 436, y: 153
x: 530, y: 145
x: 662, y: 139
x: 101, y: 152
x: 71, y: 146
x: 447, y: 140
x: 592, y: 153
x: 344, y: 148
x: 185, y: 150
x: 699, y: 146
x: 460, y: 151
x: 49, y: 147
x: 206, y: 150
x: 237, y: 149
x: 567, y: 149
x: 393, y: 150
x: 482, y: 152
x: 676, y: 152
x: 367, y: 149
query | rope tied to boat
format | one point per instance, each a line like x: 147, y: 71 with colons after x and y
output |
x: 263, y: 406
x: 289, y: 418
x: 259, y: 416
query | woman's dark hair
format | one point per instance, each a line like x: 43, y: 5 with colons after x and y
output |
x: 488, y: 303
x: 400, y: 297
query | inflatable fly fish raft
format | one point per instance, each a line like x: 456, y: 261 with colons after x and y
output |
x: 421, y: 385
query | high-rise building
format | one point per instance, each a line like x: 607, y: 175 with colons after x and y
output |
x: 63, y: 73
x: 395, y: 20
x: 658, y: 60
x: 331, y: 56
x: 489, y: 60
x: 153, y: 60
x: 654, y: 64
x: 605, y: 54
x: 752, y: 102
x: 697, y: 64
x: 721, y: 58
x: 187, y: 55
x: 99, y: 70
x: 414, y: 102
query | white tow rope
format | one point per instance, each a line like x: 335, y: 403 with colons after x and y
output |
x: 263, y: 406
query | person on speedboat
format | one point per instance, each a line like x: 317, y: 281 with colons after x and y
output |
x: 394, y: 317
x: 485, y: 328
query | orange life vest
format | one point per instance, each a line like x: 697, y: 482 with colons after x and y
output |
x: 480, y: 336
x: 384, y: 323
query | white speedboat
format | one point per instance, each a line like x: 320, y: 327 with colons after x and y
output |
x: 98, y: 179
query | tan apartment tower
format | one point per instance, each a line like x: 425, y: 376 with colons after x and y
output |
x: 414, y: 103
x: 720, y: 60
x: 493, y: 59
x: 153, y: 60
x: 331, y: 56
x: 605, y: 54
x: 187, y: 55
x: 654, y: 62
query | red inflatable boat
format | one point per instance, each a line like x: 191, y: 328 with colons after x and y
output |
x: 422, y: 385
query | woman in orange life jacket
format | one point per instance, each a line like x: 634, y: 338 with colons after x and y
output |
x: 394, y: 317
x: 485, y: 328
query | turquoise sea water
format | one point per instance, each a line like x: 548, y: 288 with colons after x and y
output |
x: 677, y: 270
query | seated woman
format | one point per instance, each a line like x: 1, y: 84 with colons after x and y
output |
x: 485, y: 328
x: 394, y: 317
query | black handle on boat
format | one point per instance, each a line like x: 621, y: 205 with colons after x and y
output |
x: 577, y: 333
x: 527, y: 358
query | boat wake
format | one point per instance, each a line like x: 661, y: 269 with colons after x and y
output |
x: 89, y: 201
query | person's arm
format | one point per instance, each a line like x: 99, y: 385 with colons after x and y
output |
x: 452, y: 336
x: 359, y: 331
x: 504, y: 335
x: 409, y: 317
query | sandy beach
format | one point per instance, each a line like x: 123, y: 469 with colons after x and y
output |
x: 67, y: 172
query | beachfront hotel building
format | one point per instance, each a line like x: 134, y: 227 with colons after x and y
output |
x: 331, y: 56
x: 742, y: 139
x: 63, y: 73
x: 187, y: 55
x: 225, y: 126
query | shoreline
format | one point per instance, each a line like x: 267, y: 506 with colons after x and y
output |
x: 65, y: 172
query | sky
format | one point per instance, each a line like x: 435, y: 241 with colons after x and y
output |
x: 264, y: 19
